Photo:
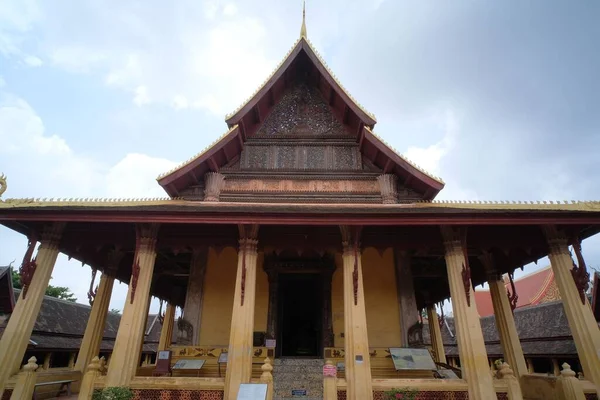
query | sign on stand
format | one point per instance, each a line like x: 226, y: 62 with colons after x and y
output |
x: 252, y: 391
x: 329, y: 370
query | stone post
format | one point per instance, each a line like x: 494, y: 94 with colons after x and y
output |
x: 357, y: 360
x: 329, y: 384
x: 436, y: 335
x: 505, y: 321
x: 469, y: 337
x: 388, y: 185
x: 512, y: 383
x: 25, y: 385
x: 584, y: 327
x: 130, y: 336
x: 568, y: 387
x: 166, y: 333
x: 192, y: 311
x: 267, y: 377
x: 71, y: 364
x: 87, y: 384
x: 47, y: 358
x: 239, y: 363
x: 18, y: 330
x: 94, y: 331
x: 555, y: 367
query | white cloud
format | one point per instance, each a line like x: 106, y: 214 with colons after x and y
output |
x: 33, y: 61
x: 180, y: 102
x: 2, y: 82
x: 135, y: 176
x: 141, y: 96
x: 230, y: 9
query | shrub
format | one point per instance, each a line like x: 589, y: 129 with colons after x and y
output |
x: 401, y: 394
x: 113, y: 393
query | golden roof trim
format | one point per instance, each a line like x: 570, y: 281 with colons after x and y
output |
x: 435, y: 178
x: 198, y: 155
x: 321, y: 60
x: 572, y: 205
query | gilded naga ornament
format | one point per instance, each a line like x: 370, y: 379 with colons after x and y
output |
x: 3, y: 185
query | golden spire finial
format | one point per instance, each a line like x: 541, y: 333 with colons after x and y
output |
x: 303, y: 28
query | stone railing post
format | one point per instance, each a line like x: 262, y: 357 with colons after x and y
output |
x: 267, y: 377
x: 514, y: 388
x: 25, y: 381
x: 87, y: 384
x: 568, y: 386
x: 329, y: 381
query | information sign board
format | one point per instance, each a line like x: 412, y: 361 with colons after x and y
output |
x: 409, y: 358
x: 223, y: 358
x: 189, y: 364
x: 252, y: 391
x: 270, y: 343
x: 298, y: 392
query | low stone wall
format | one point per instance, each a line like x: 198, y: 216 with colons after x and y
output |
x: 167, y: 394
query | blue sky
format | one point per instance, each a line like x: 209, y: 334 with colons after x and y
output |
x: 500, y: 99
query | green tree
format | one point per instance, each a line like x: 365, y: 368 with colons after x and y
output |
x: 60, y: 292
x: 115, y: 311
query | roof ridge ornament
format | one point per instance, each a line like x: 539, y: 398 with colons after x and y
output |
x: 303, y: 27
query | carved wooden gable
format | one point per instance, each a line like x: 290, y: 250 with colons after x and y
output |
x: 302, y: 153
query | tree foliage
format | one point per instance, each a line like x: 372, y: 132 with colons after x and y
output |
x: 60, y: 292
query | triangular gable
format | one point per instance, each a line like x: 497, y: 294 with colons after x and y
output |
x: 246, y: 123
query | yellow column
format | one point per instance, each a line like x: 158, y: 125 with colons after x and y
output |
x: 18, y: 330
x: 166, y: 333
x: 357, y: 360
x: 581, y: 319
x: 94, y: 331
x: 435, y: 333
x: 239, y: 361
x: 471, y: 347
x: 329, y: 384
x: 25, y: 385
x: 505, y: 321
x: 126, y: 352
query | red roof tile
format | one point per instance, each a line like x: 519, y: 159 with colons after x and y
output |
x: 530, y: 289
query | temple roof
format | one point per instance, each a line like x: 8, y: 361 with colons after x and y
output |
x: 538, y: 337
x: 245, y: 121
x: 534, y: 288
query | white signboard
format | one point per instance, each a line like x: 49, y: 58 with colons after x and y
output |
x: 223, y: 358
x: 189, y: 364
x: 406, y: 358
x: 163, y: 355
x: 252, y: 391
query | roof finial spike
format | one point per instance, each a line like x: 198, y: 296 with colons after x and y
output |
x: 303, y: 28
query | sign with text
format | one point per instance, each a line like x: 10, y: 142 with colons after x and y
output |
x: 163, y: 363
x: 409, y: 358
x: 189, y: 364
x: 252, y: 391
x: 298, y: 392
x: 223, y: 358
x: 271, y: 343
x: 329, y: 370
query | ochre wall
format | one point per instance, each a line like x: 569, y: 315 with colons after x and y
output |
x: 381, y: 298
x: 217, y: 304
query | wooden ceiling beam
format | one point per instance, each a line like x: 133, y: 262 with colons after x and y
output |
x: 387, y: 166
x: 213, y: 164
x: 331, y: 99
x: 346, y: 115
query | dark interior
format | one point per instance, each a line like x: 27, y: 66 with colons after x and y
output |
x: 299, y: 315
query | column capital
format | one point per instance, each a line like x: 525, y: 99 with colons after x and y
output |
x: 489, y: 265
x: 388, y: 185
x: 350, y: 238
x: 52, y: 233
x: 556, y: 238
x: 146, y: 236
x: 113, y: 259
x: 455, y: 239
x: 213, y: 184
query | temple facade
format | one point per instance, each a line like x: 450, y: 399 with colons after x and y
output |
x: 300, y: 236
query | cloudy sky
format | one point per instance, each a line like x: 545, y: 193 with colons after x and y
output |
x: 97, y: 97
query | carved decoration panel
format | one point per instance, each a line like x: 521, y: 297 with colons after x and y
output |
x: 302, y: 111
x: 286, y: 156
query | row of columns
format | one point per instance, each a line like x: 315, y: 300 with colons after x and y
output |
x: 126, y: 352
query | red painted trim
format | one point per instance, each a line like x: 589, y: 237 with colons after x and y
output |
x: 304, y: 218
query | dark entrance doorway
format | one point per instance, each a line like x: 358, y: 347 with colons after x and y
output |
x: 300, y: 315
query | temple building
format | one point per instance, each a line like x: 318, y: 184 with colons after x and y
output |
x: 300, y: 241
